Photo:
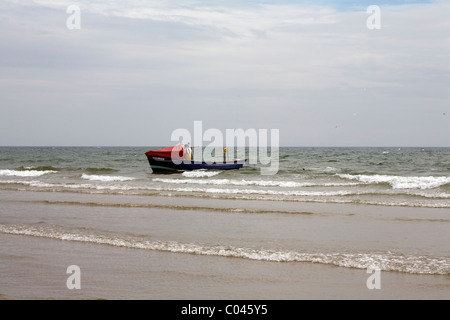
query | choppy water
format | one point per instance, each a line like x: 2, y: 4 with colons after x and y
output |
x: 395, y: 177
x: 351, y: 207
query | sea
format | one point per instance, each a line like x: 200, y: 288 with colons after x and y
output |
x: 331, y: 223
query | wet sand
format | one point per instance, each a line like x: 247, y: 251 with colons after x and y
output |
x: 33, y: 269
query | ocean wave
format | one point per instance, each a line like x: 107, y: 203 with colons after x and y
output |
x: 40, y: 184
x: 200, y: 173
x: 38, y: 168
x: 98, y: 170
x: 260, y: 183
x: 259, y: 191
x: 25, y: 173
x: 384, y: 261
x: 400, y: 182
x: 381, y: 197
x: 104, y: 178
x: 440, y: 195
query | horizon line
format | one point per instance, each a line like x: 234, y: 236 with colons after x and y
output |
x: 163, y: 145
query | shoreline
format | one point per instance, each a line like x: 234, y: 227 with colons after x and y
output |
x: 123, y: 273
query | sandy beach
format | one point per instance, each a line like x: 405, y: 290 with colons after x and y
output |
x: 34, y: 258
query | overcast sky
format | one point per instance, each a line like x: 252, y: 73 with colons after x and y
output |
x: 137, y: 70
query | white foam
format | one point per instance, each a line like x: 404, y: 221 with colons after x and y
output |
x: 258, y: 191
x: 214, y: 190
x: 94, y: 177
x: 200, y: 173
x: 261, y: 183
x: 399, y: 182
x: 383, y: 261
x: 24, y: 173
x: 426, y: 198
x: 233, y: 182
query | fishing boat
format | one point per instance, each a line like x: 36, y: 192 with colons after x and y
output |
x: 176, y: 159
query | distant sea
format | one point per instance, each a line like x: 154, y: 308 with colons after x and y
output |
x: 340, y: 208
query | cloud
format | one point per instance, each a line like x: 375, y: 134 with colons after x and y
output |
x: 237, y: 19
x: 140, y: 69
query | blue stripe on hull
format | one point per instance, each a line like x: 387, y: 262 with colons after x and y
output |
x: 167, y: 165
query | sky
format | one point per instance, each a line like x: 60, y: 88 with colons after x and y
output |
x: 135, y: 71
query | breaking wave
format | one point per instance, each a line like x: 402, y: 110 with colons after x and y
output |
x: 24, y: 173
x: 121, y: 185
x: 384, y: 261
x: 399, y: 182
x: 260, y: 183
x: 200, y: 173
x: 260, y: 192
x: 94, y: 177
